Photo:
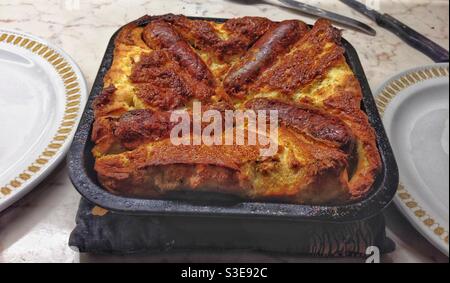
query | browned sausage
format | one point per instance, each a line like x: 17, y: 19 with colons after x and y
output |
x: 263, y: 54
x: 312, y: 122
x: 160, y: 35
x: 139, y: 126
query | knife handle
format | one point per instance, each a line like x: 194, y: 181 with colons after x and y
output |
x: 413, y: 38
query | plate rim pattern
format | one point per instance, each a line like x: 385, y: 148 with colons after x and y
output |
x: 74, y: 86
x: 385, y: 95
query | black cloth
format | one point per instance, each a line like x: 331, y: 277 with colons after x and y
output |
x: 116, y: 233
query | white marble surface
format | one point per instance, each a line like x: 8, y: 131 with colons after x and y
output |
x: 36, y: 229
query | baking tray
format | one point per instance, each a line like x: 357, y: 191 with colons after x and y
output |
x: 83, y: 176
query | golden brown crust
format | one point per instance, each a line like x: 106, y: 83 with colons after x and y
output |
x: 346, y: 104
x: 327, y: 149
x: 159, y: 82
x: 143, y: 169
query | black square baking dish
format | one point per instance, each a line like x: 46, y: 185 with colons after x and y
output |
x: 83, y: 176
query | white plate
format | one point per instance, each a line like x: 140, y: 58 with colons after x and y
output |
x: 415, y: 110
x: 42, y: 94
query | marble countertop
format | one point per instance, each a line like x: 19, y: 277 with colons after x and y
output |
x: 37, y: 227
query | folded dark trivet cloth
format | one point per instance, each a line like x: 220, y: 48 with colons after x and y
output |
x: 99, y: 231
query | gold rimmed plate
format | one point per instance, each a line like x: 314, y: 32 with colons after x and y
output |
x: 415, y: 109
x: 42, y: 95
